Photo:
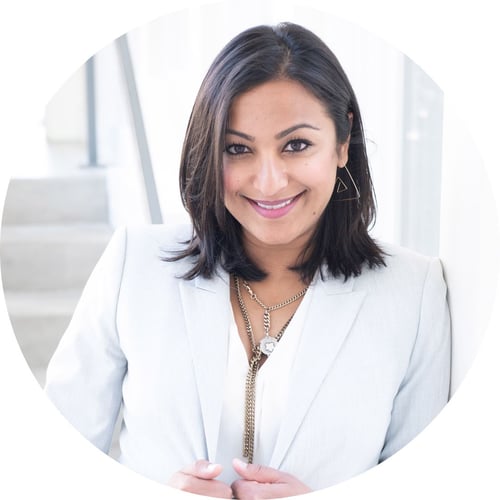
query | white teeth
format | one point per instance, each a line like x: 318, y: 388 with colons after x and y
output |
x: 275, y: 207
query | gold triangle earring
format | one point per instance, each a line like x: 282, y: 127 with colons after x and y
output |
x: 340, y: 186
x: 345, y: 188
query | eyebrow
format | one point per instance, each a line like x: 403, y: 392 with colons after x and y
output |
x: 279, y: 135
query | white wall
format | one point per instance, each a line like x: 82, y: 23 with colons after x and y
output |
x: 65, y: 114
x: 469, y: 242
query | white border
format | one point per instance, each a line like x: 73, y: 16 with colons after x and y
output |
x: 43, y: 42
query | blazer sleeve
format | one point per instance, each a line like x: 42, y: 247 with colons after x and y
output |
x: 425, y: 388
x: 85, y: 374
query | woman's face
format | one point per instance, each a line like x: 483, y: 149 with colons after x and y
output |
x: 280, y: 163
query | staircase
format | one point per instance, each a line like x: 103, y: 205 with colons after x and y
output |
x: 54, y: 229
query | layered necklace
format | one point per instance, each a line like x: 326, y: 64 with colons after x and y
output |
x: 265, y: 347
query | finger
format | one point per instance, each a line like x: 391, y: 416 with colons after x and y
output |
x: 257, y: 472
x: 203, y: 469
x: 251, y: 490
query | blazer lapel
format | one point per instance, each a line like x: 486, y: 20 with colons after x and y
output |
x: 331, y: 313
x: 206, y: 307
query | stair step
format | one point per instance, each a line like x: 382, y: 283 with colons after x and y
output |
x: 39, y: 319
x: 78, y: 198
x: 47, y: 303
x: 50, y: 257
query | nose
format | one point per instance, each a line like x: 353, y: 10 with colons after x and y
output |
x: 271, y: 176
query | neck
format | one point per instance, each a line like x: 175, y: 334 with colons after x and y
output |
x: 275, y: 261
x: 281, y: 282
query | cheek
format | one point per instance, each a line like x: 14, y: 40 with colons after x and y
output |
x: 323, y: 179
x: 322, y: 175
x: 227, y: 180
x: 231, y: 182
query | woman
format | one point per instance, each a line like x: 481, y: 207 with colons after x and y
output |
x: 275, y: 348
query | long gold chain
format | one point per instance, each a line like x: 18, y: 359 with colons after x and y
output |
x: 255, y: 360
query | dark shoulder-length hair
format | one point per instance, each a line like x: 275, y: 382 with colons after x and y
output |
x: 259, y: 55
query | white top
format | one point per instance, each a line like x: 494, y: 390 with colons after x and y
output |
x: 370, y: 370
x: 272, y: 385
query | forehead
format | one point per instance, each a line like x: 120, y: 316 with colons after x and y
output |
x: 276, y: 102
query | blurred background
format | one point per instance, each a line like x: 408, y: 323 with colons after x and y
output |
x: 108, y: 147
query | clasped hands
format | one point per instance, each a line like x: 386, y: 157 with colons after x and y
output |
x: 256, y: 481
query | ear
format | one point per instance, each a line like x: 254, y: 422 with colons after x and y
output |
x: 343, y: 153
x: 343, y: 149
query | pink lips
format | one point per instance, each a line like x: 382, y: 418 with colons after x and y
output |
x: 276, y: 208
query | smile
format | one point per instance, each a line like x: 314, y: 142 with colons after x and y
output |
x: 274, y: 209
x: 276, y: 206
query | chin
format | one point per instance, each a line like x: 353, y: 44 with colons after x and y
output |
x: 278, y: 239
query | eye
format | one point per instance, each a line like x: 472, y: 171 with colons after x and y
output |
x: 237, y: 149
x: 296, y: 145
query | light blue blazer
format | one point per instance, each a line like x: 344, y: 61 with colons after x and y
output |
x: 371, y: 370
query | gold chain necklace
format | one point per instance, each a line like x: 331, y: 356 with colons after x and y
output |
x: 268, y: 343
x: 266, y: 347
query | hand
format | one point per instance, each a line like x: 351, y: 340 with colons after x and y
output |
x: 199, y: 478
x: 258, y: 481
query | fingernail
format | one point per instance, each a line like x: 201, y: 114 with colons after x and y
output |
x: 240, y: 463
x: 211, y: 467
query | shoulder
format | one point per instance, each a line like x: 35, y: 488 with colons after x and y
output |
x: 147, y: 246
x: 397, y: 297
x: 405, y: 271
x: 401, y: 259
x: 151, y: 238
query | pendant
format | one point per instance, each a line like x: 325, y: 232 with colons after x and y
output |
x: 267, y: 345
